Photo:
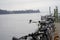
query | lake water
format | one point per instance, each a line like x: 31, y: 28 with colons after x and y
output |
x: 17, y: 25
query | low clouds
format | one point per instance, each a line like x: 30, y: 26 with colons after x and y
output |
x: 28, y: 4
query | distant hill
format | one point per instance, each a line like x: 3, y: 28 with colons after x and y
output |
x: 4, y: 12
x: 18, y: 12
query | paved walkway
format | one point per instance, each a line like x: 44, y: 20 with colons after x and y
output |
x: 57, y: 25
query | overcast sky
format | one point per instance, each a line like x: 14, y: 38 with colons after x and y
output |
x: 28, y: 4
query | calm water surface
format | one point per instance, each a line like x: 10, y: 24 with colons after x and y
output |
x: 17, y: 25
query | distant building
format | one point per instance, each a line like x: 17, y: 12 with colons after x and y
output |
x: 56, y: 15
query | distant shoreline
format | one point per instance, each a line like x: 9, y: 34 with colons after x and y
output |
x: 19, y: 12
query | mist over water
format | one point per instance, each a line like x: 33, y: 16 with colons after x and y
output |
x: 17, y: 25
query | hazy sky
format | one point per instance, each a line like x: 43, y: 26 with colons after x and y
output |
x: 28, y: 4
